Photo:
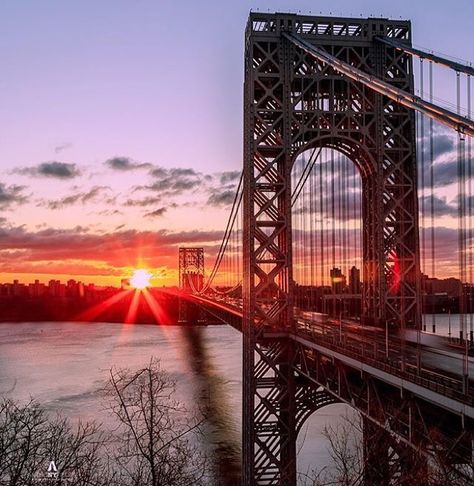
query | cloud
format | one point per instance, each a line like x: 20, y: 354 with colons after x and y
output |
x: 440, y: 206
x: 445, y: 172
x: 81, y: 197
x: 147, y: 201
x: 222, y: 199
x: 156, y: 213
x: 174, y: 181
x: 443, y: 143
x: 64, y: 146
x: 22, y: 250
x: 444, y: 159
x: 229, y: 176
x: 109, y: 212
x: 126, y: 164
x: 54, y: 169
x: 341, y: 194
x: 11, y: 195
x: 159, y: 172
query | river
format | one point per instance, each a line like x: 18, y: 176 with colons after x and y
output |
x: 64, y: 365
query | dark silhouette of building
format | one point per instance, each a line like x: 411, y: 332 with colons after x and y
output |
x: 338, y: 280
x: 355, y: 285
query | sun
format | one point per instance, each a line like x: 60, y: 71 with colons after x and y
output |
x: 140, y: 279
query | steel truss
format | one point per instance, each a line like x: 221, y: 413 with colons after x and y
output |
x: 453, y: 120
x: 191, y: 276
x: 293, y: 102
x: 410, y: 426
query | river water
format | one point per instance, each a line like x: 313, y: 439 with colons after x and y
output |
x: 64, y: 365
x: 449, y: 324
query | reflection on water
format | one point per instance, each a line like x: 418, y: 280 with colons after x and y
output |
x: 64, y: 366
x: 448, y: 324
x: 211, y: 396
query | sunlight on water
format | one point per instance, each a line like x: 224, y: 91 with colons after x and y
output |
x: 64, y: 365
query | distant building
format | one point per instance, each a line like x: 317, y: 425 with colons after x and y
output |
x: 36, y: 289
x: 338, y: 280
x: 451, y: 286
x: 355, y: 285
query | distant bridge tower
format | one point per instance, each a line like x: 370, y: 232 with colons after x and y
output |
x: 191, y: 276
x: 292, y: 103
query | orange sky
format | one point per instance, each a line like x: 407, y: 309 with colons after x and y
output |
x: 113, y: 157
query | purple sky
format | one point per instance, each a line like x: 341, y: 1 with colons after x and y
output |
x: 150, y: 84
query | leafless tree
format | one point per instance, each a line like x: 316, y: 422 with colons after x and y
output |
x: 156, y: 436
x: 406, y: 466
x: 30, y: 439
x: 155, y: 442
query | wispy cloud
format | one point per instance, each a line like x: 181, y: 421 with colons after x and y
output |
x: 229, y: 176
x: 126, y: 164
x: 80, y: 197
x: 221, y: 198
x: 52, y: 169
x: 11, y: 195
x: 147, y: 201
x: 174, y: 181
x: 64, y: 146
x: 156, y: 213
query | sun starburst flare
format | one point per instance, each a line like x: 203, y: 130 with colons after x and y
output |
x: 140, y: 279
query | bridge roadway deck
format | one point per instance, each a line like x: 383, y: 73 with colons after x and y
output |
x: 434, y: 375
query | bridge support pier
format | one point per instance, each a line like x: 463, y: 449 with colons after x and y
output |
x: 288, y: 420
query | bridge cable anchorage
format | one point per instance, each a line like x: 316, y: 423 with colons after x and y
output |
x: 461, y: 124
x: 422, y: 54
x: 227, y: 233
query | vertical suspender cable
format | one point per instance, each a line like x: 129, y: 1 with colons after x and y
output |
x: 301, y: 217
x: 460, y: 171
x: 422, y: 183
x: 339, y: 211
x: 333, y: 230
x: 431, y: 178
x: 321, y: 231
x: 355, y: 217
x: 311, y: 239
x: 469, y: 213
x: 327, y: 229
x: 461, y: 236
x: 296, y: 233
x: 304, y: 213
x: 345, y: 221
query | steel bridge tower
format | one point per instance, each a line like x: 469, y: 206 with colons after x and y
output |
x: 293, y: 102
x: 191, y: 276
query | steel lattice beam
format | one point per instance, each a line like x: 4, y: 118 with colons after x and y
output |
x: 446, y: 117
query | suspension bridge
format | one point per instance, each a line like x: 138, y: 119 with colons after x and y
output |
x: 354, y: 168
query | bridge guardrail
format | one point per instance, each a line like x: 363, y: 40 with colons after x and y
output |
x: 443, y: 385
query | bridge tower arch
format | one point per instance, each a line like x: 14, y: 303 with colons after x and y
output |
x: 291, y: 103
